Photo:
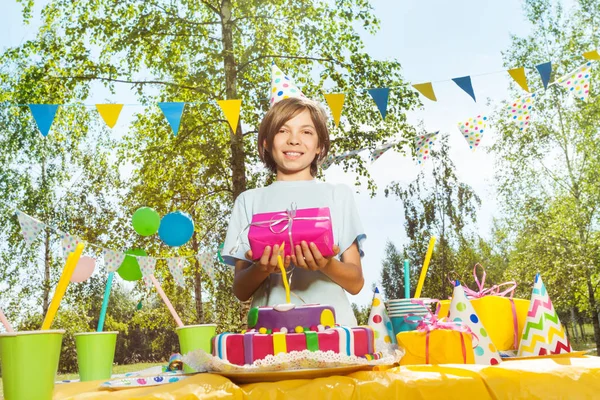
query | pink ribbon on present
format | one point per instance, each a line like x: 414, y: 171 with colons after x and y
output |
x: 495, y: 291
x: 431, y: 322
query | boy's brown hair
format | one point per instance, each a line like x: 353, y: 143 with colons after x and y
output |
x: 282, y: 112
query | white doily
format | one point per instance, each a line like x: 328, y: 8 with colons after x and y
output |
x: 305, y: 359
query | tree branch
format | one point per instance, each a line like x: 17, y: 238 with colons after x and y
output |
x: 211, y: 7
x: 244, y: 65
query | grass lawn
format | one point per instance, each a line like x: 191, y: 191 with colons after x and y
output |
x: 117, y: 369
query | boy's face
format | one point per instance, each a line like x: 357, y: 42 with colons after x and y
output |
x: 295, y: 146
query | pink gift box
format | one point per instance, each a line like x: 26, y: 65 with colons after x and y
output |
x: 308, y: 224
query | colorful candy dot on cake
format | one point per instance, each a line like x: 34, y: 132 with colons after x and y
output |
x: 269, y: 331
x: 313, y: 328
x: 327, y: 317
x: 320, y: 328
x: 493, y: 361
x: 387, y: 339
x: 368, y: 357
x: 298, y: 329
x: 262, y: 330
x: 252, y: 317
x: 305, y: 329
x: 243, y: 331
x: 276, y: 330
x: 283, y: 330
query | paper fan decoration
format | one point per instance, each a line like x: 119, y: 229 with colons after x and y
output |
x: 282, y: 86
x: 543, y: 333
x: 461, y: 310
x: 424, y: 143
x: 578, y: 82
x: 473, y: 130
x: 380, y: 322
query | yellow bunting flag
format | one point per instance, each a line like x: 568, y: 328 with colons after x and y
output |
x: 518, y: 74
x: 591, y: 55
x: 426, y: 89
x: 335, y: 102
x: 109, y: 113
x: 231, y: 109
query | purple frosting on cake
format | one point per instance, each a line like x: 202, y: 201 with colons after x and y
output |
x: 248, y: 356
x: 308, y: 315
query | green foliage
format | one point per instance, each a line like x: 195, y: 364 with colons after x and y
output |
x: 361, y: 313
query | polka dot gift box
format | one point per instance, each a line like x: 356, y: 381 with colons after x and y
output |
x: 282, y: 86
x: 380, y: 322
x: 461, y: 311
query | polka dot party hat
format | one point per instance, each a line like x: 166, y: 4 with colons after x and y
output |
x: 520, y: 111
x: 282, y: 86
x: 462, y: 311
x: 578, y: 81
x: 380, y: 322
x: 473, y: 130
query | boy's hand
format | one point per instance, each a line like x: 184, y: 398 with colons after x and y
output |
x: 268, y: 261
x: 309, y: 257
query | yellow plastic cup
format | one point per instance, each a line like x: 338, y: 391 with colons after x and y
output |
x: 95, y: 354
x: 194, y: 337
x: 29, y: 363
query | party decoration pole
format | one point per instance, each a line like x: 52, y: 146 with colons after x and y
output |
x: 166, y: 301
x: 424, y: 269
x: 61, y: 288
x: 5, y: 322
x: 105, y: 302
x: 286, y: 285
x: 406, y: 280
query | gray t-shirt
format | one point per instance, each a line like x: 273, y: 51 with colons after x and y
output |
x: 306, y: 286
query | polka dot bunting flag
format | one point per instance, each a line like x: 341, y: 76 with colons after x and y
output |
x: 113, y: 259
x: 519, y: 111
x: 473, y: 130
x: 375, y: 154
x: 380, y: 322
x: 462, y: 311
x: 578, y: 82
x: 206, y: 261
x: 424, y: 143
x: 176, y: 265
x: 30, y: 227
x: 147, y: 266
x: 69, y: 243
x: 282, y: 86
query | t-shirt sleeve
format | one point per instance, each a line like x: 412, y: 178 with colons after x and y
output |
x: 236, y: 241
x: 352, y: 229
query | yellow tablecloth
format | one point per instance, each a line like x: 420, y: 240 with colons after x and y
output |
x: 556, y: 378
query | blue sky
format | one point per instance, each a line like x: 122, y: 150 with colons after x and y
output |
x: 434, y: 41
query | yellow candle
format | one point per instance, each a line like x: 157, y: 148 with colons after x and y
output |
x: 424, y: 269
x: 283, y: 274
x: 63, y: 282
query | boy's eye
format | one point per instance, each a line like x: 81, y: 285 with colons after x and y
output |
x: 308, y: 132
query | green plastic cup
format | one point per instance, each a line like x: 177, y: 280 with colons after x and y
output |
x: 95, y: 354
x: 194, y: 337
x: 29, y: 363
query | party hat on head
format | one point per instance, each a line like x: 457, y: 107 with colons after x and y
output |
x: 462, y: 311
x: 543, y: 333
x: 282, y: 86
x: 380, y: 322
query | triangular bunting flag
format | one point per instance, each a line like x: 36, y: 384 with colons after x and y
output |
x: 30, y: 227
x: 231, y: 109
x: 519, y: 111
x: 282, y: 86
x: 462, y: 311
x: 380, y: 96
x: 113, y: 259
x: 473, y: 130
x: 543, y: 333
x: 69, y: 243
x: 464, y: 82
x: 176, y: 265
x: 578, y: 81
x: 206, y: 261
x: 426, y: 89
x: 423, y: 147
x: 545, y: 71
x: 336, y: 103
x: 518, y: 74
x: 380, y: 322
x: 147, y: 266
x: 378, y: 152
x: 591, y: 55
x: 43, y: 114
x: 109, y: 113
x: 329, y: 161
x: 173, y: 112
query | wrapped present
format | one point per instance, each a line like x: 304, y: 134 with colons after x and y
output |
x: 437, y: 341
x: 503, y: 317
x: 292, y: 227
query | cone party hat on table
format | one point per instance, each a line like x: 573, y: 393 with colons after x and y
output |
x: 543, y: 333
x: 380, y: 322
x: 461, y: 310
x: 282, y: 86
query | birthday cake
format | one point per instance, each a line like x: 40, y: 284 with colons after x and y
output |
x: 286, y: 328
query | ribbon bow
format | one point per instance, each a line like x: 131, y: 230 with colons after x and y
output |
x: 491, y: 291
